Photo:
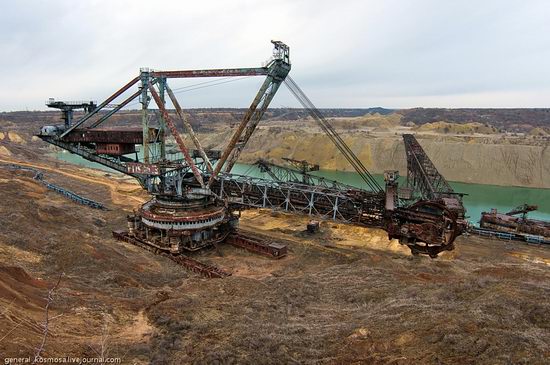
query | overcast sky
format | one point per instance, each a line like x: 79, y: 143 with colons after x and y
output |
x: 389, y: 53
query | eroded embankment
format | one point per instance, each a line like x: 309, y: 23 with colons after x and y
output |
x: 471, y: 160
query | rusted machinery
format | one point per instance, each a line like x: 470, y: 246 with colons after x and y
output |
x: 511, y: 223
x: 313, y: 226
x: 113, y: 142
x: 427, y: 227
x: 196, y: 200
x: 427, y: 183
x: 425, y: 180
x: 254, y: 243
x: 185, y: 261
x: 39, y: 176
x: 68, y: 108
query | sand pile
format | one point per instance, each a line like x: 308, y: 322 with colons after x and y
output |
x: 14, y: 137
x: 4, y: 151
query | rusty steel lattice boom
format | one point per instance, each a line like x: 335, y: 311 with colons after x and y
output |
x: 423, y: 178
x: 422, y: 175
x: 355, y: 206
x: 288, y: 174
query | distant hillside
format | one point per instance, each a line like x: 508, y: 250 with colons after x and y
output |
x: 272, y: 113
x: 458, y: 128
x: 201, y: 118
x: 511, y: 120
x: 207, y: 119
x: 468, y: 151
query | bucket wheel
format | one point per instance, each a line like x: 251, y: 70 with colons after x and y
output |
x: 426, y: 227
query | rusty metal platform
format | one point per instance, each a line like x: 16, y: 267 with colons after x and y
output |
x: 189, y: 263
x: 257, y: 244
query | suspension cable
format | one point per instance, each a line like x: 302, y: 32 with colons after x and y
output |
x: 333, y: 135
x: 201, y: 85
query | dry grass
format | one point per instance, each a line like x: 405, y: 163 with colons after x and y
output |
x: 342, y: 297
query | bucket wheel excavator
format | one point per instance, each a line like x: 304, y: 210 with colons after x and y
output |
x: 196, y: 200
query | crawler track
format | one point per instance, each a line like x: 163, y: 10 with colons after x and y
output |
x: 39, y: 176
x: 510, y: 236
x: 257, y: 244
x: 189, y: 263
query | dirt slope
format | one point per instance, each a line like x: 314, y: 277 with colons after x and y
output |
x: 345, y: 296
x: 472, y: 159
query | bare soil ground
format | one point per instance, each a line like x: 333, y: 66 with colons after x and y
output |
x: 344, y: 296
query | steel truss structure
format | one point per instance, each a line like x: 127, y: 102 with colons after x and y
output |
x: 422, y: 175
x: 288, y: 174
x: 424, y: 179
x: 351, y: 206
x: 195, y: 195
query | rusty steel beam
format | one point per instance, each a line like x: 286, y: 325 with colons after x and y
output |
x: 189, y: 128
x: 223, y: 72
x: 256, y: 244
x: 177, y: 136
x: 237, y: 135
x: 128, y: 136
x: 251, y: 127
x: 101, y: 106
x: 200, y: 267
x: 116, y: 109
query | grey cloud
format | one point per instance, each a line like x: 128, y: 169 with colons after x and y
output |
x: 347, y: 53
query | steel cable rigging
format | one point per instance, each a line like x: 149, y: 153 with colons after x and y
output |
x: 333, y: 135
